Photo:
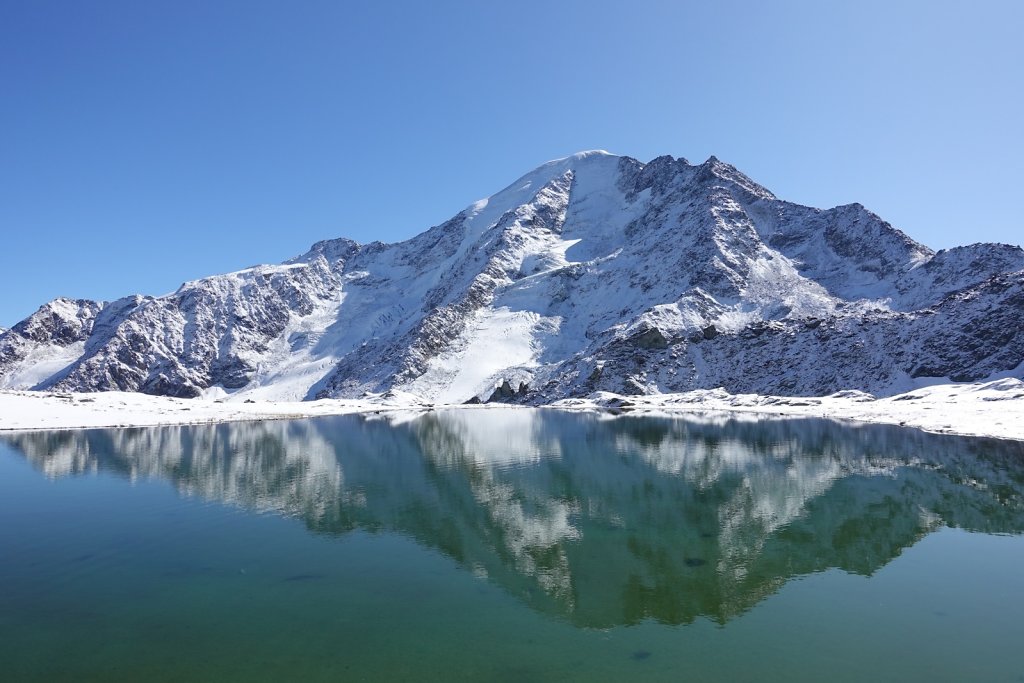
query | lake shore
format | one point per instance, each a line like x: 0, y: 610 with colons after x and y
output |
x: 991, y: 409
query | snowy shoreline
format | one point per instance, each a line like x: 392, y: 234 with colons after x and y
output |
x: 992, y: 409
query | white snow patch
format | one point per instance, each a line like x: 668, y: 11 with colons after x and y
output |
x: 41, y: 363
x: 994, y: 409
x: 299, y: 358
x: 495, y: 340
x: 21, y: 410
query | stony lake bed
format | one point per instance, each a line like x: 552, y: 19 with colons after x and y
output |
x: 511, y: 545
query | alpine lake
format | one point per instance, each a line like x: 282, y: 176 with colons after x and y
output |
x: 511, y: 545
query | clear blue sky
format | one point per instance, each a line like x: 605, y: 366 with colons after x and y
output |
x: 147, y: 143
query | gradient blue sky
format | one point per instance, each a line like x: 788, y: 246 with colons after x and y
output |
x: 147, y: 143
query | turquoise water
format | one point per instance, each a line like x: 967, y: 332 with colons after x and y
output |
x: 511, y: 545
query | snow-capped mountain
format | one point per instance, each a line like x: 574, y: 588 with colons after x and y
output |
x: 593, y: 272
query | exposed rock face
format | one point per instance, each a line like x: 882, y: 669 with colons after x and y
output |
x: 46, y: 341
x: 593, y: 272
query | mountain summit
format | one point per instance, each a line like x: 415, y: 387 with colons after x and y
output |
x: 593, y: 272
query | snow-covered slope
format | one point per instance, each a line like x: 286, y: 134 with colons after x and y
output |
x: 593, y: 272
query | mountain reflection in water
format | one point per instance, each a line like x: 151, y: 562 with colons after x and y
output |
x: 599, y: 520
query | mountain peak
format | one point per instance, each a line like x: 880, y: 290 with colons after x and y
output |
x: 574, y: 160
x: 588, y: 153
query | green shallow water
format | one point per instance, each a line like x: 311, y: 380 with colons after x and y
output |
x: 511, y: 546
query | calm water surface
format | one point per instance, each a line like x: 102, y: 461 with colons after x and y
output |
x: 511, y: 545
